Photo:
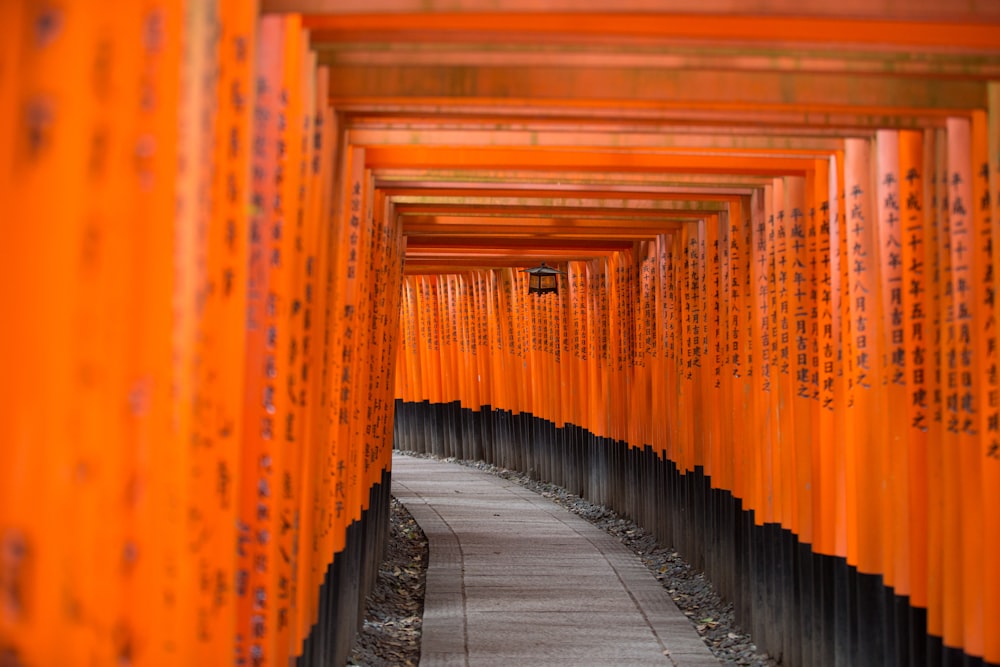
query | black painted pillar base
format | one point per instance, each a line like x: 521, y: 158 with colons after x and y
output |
x: 347, y: 582
x: 806, y: 609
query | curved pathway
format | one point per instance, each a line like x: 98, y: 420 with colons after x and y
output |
x: 514, y: 579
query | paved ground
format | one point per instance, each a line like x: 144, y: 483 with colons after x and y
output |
x: 514, y: 579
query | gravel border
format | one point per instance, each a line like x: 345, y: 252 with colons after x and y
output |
x: 392, y: 627
x: 394, y: 610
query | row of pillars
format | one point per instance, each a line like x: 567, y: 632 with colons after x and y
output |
x: 196, y: 360
x: 824, y: 351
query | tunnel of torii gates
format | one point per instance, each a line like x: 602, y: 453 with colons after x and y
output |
x: 246, y: 249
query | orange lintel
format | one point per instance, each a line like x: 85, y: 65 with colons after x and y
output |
x: 526, y: 158
x: 554, y: 235
x: 542, y: 211
x: 443, y: 244
x: 600, y: 139
x: 767, y: 29
x: 571, y: 181
x: 484, y: 221
x: 533, y: 191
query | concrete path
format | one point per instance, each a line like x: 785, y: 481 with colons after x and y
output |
x: 514, y: 579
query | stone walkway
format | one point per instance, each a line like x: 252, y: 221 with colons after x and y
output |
x: 514, y: 579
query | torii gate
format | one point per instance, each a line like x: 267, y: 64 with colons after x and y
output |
x: 777, y: 221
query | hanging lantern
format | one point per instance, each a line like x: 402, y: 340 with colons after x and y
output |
x: 543, y: 279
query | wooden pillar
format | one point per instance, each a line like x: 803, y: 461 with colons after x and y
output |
x: 895, y: 451
x: 991, y: 409
x: 938, y: 436
x: 917, y: 331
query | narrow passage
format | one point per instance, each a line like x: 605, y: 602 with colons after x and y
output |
x: 515, y: 579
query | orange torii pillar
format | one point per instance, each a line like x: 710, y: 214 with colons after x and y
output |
x: 854, y: 333
x: 174, y: 490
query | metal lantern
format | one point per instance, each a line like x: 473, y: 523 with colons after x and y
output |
x: 543, y: 279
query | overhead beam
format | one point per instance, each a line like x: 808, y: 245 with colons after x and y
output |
x: 844, y: 119
x: 573, y: 181
x: 678, y: 89
x: 472, y: 227
x: 411, y: 157
x: 495, y: 242
x: 625, y: 124
x: 755, y: 21
x: 600, y: 138
x: 610, y: 210
x: 452, y: 265
x: 531, y: 194
x: 662, y: 54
